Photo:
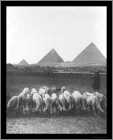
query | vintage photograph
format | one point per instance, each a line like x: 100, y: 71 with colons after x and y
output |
x: 56, y: 69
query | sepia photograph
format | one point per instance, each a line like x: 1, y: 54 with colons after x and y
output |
x: 56, y: 70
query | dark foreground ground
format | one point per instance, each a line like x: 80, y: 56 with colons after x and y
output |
x: 61, y: 124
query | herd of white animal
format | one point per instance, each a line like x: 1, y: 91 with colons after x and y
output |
x: 52, y: 100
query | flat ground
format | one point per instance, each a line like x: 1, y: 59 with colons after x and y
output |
x: 64, y: 124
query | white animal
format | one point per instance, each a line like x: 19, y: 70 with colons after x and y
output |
x: 13, y: 103
x: 61, y: 103
x: 65, y: 100
x: 68, y: 98
x: 54, y: 103
x: 99, y: 95
x: 46, y: 100
x: 93, y: 101
x: 33, y: 90
x: 100, y: 100
x: 53, y: 97
x: 78, y: 100
x: 90, y: 100
x: 24, y: 97
x: 25, y: 91
x: 76, y: 95
x: 37, y: 99
x: 43, y: 90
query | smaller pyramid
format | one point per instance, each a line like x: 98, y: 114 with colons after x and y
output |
x: 10, y: 67
x: 23, y: 63
x: 91, y: 55
x: 51, y: 58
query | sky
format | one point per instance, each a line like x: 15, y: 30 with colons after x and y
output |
x: 33, y: 31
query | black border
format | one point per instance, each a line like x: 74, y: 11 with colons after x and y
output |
x: 4, y: 5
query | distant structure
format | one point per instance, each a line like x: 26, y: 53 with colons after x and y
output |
x: 10, y: 67
x: 96, y: 83
x: 23, y: 63
x: 50, y: 59
x: 91, y: 55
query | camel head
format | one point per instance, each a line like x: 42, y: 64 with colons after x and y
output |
x: 63, y: 89
x: 33, y: 90
x: 26, y: 90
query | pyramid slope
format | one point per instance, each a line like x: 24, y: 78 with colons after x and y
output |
x: 23, y: 63
x: 10, y: 67
x: 90, y: 56
x: 51, y: 58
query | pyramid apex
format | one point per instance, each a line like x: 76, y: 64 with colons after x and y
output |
x: 53, y: 50
x: 92, y: 44
x: 23, y: 62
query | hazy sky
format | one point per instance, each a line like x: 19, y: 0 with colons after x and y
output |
x: 33, y: 31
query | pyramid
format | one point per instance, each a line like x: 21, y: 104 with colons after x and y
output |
x: 23, y: 63
x: 10, y: 67
x: 51, y: 58
x: 90, y: 56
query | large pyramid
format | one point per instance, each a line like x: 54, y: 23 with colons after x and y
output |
x: 23, y: 63
x: 90, y: 56
x: 50, y: 59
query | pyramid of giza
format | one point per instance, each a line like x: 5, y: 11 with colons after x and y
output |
x: 23, y: 63
x: 10, y: 67
x: 91, y: 55
x: 51, y: 58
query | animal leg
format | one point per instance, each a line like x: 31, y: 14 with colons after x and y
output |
x: 100, y: 108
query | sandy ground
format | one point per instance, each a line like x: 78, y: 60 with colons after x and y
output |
x: 63, y: 124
